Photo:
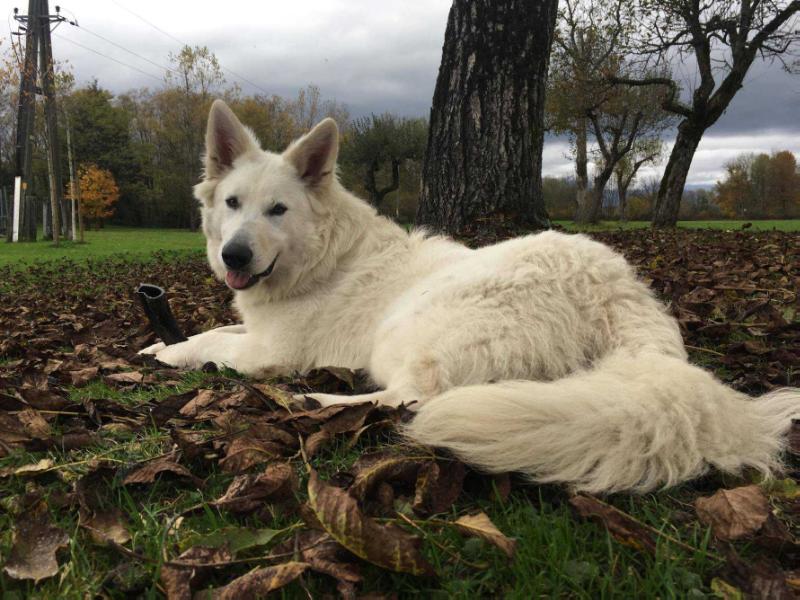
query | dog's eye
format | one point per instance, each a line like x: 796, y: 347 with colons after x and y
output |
x: 277, y: 210
x: 232, y: 202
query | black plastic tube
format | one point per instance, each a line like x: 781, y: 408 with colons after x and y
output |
x: 156, y: 308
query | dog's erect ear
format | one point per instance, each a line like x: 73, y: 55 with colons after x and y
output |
x: 314, y: 154
x: 226, y: 140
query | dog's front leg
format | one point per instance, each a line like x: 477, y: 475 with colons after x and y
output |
x: 227, y: 346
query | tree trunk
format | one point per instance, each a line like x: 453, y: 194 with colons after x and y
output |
x: 377, y: 195
x: 670, y: 192
x: 622, y: 193
x: 484, y: 153
x: 581, y: 168
x: 595, y: 205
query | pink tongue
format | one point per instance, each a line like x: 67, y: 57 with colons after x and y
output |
x: 237, y: 280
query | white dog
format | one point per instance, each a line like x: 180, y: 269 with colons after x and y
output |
x: 542, y: 354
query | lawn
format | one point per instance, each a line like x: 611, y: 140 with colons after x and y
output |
x: 73, y: 393
x: 124, y: 241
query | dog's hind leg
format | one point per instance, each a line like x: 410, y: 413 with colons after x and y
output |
x: 382, y: 398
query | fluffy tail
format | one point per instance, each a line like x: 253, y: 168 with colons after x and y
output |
x: 633, y: 422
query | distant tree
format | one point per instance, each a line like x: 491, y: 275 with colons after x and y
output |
x: 588, y: 37
x: 309, y: 108
x: 725, y: 37
x: 734, y: 194
x: 644, y: 151
x: 196, y: 77
x: 99, y: 193
x: 560, y: 197
x: 760, y: 186
x: 380, y: 142
x: 783, y: 185
x: 8, y: 114
x: 484, y: 151
x: 589, y: 46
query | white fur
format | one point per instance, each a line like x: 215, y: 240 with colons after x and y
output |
x: 542, y: 354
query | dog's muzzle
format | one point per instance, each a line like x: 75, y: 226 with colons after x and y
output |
x: 241, y: 280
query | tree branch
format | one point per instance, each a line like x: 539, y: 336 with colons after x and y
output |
x: 670, y: 104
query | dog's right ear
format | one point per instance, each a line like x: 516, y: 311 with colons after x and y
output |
x: 226, y: 140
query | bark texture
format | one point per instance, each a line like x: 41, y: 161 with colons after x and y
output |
x: 484, y: 152
x: 670, y: 193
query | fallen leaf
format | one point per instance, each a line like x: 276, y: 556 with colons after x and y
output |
x: 147, y: 471
x: 438, y: 486
x: 128, y: 377
x: 34, y: 546
x: 736, y: 513
x: 387, y: 546
x: 83, y: 376
x: 257, y: 583
x: 371, y: 469
x: 180, y: 581
x: 33, y: 469
x: 247, y: 493
x: 623, y: 527
x: 107, y: 525
x: 245, y: 452
x: 481, y: 526
x: 201, y: 400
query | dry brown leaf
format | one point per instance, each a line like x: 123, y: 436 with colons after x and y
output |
x: 481, y: 526
x: 623, y: 527
x: 83, y: 376
x: 438, y: 486
x: 34, y: 546
x: 257, y: 583
x: 387, y: 546
x: 246, y: 451
x: 33, y: 469
x: 180, y: 582
x: 372, y: 469
x: 736, y: 513
x: 34, y: 424
x: 247, y: 493
x: 202, y: 400
x: 106, y: 525
x: 147, y: 471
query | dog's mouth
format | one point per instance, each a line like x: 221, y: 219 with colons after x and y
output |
x: 241, y: 280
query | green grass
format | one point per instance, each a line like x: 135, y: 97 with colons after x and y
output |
x: 141, y: 243
x: 558, y: 554
x: 127, y: 241
x: 766, y: 225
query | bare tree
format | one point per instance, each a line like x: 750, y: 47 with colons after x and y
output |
x: 645, y: 151
x: 725, y: 37
x: 589, y: 36
x: 484, y: 152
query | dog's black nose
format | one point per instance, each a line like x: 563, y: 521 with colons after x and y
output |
x: 236, y: 255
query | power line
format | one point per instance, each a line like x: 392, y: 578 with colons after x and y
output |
x: 121, y: 47
x: 182, y: 43
x: 66, y: 39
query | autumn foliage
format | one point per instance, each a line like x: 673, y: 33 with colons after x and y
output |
x: 99, y: 192
x: 760, y: 186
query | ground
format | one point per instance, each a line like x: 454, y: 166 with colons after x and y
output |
x: 139, y: 460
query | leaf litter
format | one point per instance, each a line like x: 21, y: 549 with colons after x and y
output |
x: 72, y: 389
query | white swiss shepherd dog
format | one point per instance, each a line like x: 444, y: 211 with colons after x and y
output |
x: 542, y: 354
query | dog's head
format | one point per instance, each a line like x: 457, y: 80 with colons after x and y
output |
x: 265, y: 215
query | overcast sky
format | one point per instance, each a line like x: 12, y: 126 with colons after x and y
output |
x: 372, y: 56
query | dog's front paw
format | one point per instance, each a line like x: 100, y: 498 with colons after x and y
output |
x: 154, y: 349
x: 179, y: 355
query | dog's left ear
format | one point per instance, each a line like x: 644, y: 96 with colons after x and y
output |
x: 314, y: 154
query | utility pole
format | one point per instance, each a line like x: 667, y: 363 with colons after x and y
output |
x: 36, y: 27
x: 73, y: 186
